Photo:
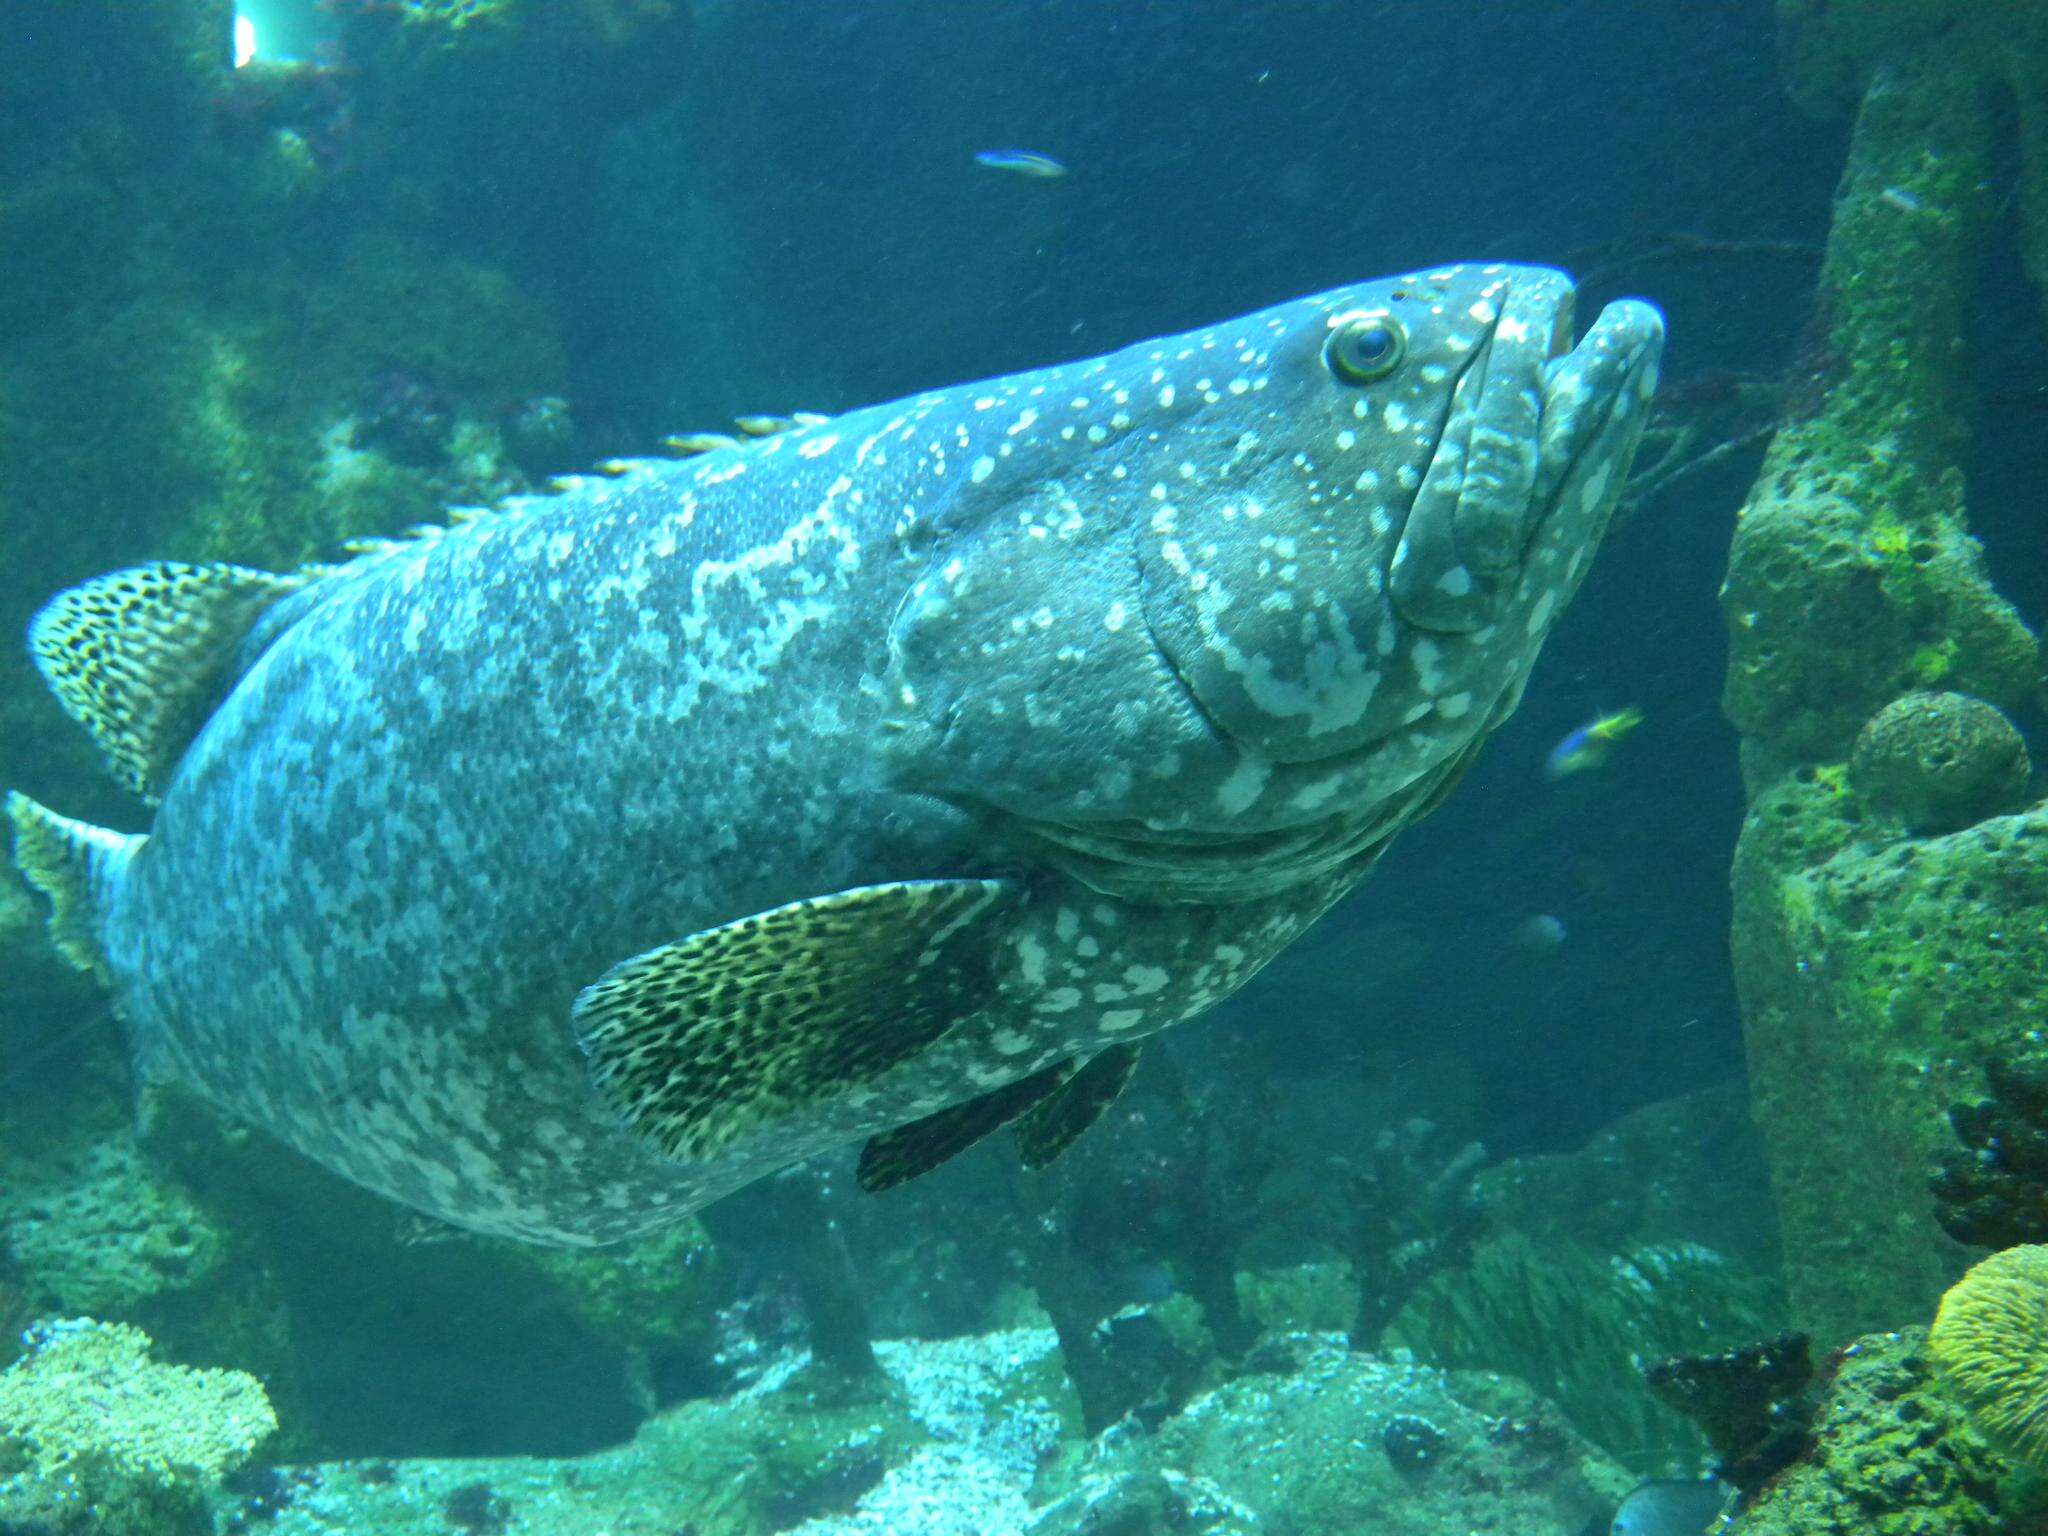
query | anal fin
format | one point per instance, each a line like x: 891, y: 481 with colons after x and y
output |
x: 1058, y: 1120
x: 699, y: 1042
x: 898, y: 1156
x: 140, y: 657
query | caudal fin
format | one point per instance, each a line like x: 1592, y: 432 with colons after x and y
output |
x: 75, y: 865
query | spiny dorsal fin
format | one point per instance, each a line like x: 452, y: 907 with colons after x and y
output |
x: 749, y: 427
x: 701, y: 1041
x: 73, y: 864
x: 1057, y: 1121
x: 898, y: 1156
x: 140, y: 657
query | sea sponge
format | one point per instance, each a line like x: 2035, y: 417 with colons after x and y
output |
x: 1940, y: 761
x: 1990, y: 1346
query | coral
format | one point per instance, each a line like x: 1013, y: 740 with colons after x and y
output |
x: 1891, y: 1457
x: 1646, y: 1242
x: 1572, y: 1321
x: 101, y: 1231
x: 1989, y: 1345
x: 1747, y: 1401
x: 1416, y: 1213
x: 1939, y: 761
x: 1992, y: 1191
x: 94, y: 1436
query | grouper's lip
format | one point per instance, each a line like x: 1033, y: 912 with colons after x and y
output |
x: 1470, y: 522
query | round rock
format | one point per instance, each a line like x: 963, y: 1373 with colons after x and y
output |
x: 1940, y: 761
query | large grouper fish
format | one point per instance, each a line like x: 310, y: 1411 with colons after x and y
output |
x: 889, y: 777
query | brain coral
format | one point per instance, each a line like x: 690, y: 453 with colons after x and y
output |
x: 1990, y: 1344
x: 1940, y: 761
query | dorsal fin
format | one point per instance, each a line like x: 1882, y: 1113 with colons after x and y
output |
x: 747, y: 428
x: 140, y: 657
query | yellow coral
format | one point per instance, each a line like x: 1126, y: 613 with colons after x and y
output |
x: 88, y: 1394
x: 1990, y: 1344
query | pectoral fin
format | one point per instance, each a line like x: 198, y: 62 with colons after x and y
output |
x: 1057, y: 1120
x: 701, y: 1041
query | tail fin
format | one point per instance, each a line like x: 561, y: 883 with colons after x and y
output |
x: 75, y: 865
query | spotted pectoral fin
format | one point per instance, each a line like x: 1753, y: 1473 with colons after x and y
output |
x: 898, y: 1156
x: 1057, y: 1121
x: 701, y: 1041
x: 140, y: 657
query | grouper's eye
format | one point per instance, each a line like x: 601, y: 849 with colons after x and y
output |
x: 1365, y: 348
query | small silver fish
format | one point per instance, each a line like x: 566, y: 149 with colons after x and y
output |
x: 1022, y: 162
x: 1671, y: 1507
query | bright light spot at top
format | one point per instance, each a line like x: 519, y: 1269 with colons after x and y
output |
x: 245, y: 40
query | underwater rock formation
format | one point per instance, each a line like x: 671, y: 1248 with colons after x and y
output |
x: 1310, y: 1451
x: 1891, y: 1457
x: 99, y: 1440
x: 1877, y: 972
x: 1879, y: 977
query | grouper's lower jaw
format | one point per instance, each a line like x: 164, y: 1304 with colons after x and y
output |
x: 1154, y: 868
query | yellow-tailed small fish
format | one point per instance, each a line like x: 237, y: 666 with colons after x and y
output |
x: 1591, y: 745
x: 1022, y: 162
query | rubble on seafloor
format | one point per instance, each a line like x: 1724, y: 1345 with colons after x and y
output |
x: 980, y: 1436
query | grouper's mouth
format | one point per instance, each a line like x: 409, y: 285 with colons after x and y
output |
x: 1469, y: 525
x: 1529, y: 455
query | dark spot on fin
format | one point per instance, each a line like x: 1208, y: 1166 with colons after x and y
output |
x: 1057, y: 1121
x: 74, y: 864
x: 699, y: 1042
x: 141, y: 657
x: 898, y: 1156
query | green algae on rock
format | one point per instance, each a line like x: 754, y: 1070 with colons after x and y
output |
x: 1877, y: 978
x: 1892, y: 1457
x: 1877, y: 973
x: 98, y: 1439
x: 1856, y: 525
